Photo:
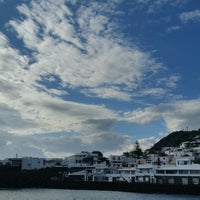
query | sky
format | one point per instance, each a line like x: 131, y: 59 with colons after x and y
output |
x: 85, y: 75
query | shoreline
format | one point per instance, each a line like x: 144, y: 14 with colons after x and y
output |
x: 134, y: 187
x: 114, y: 186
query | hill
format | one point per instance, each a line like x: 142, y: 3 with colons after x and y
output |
x: 175, y: 139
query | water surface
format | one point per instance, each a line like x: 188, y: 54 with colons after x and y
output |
x: 54, y: 194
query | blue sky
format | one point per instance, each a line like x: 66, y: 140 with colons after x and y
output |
x: 96, y: 75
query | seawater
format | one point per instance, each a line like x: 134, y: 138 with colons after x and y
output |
x: 54, y: 194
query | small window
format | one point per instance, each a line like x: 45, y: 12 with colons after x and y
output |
x: 160, y: 171
x: 171, y: 171
x: 195, y: 181
x: 194, y: 171
x: 183, y: 171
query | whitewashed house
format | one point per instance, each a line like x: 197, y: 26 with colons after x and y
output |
x: 145, y: 173
x: 29, y: 163
x: 180, y: 174
x: 82, y: 159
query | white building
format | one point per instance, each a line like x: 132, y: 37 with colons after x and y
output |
x: 179, y: 174
x: 29, y: 163
x: 53, y: 162
x: 183, y: 161
x: 116, y: 161
x: 83, y: 159
x: 119, y: 161
x: 108, y: 174
x: 145, y: 173
x: 156, y: 159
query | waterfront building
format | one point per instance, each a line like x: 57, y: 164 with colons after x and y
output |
x: 128, y: 174
x: 83, y: 159
x: 145, y: 173
x: 53, y: 162
x: 119, y: 161
x: 30, y: 163
x: 157, y: 159
x: 116, y: 161
x: 108, y: 174
x: 15, y: 162
x: 179, y: 174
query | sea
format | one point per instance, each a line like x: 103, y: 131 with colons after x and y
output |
x: 57, y: 194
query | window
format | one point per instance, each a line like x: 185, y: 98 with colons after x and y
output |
x: 194, y: 171
x: 195, y: 181
x: 171, y: 171
x: 160, y: 171
x: 171, y: 180
x: 183, y: 171
x: 185, y: 181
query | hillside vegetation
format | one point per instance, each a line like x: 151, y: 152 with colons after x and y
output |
x: 175, y: 139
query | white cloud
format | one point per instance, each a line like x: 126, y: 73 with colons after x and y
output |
x: 108, y: 93
x: 190, y: 16
x: 10, y: 58
x: 177, y: 115
x: 146, y: 143
x: 170, y: 82
x: 38, y: 113
x: 27, y: 110
x: 12, y: 145
x: 156, y: 6
x: 51, y: 30
x: 158, y: 92
x: 76, y: 50
x: 173, y: 29
x: 60, y: 146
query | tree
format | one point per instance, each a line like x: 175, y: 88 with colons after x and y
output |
x: 104, y: 159
x: 100, y: 157
x: 88, y: 160
x: 137, y: 152
x: 126, y: 154
x: 99, y: 154
x: 197, y: 160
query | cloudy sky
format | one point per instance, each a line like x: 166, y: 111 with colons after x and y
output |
x: 96, y: 75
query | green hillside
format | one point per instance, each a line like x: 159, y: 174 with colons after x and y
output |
x: 175, y: 139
